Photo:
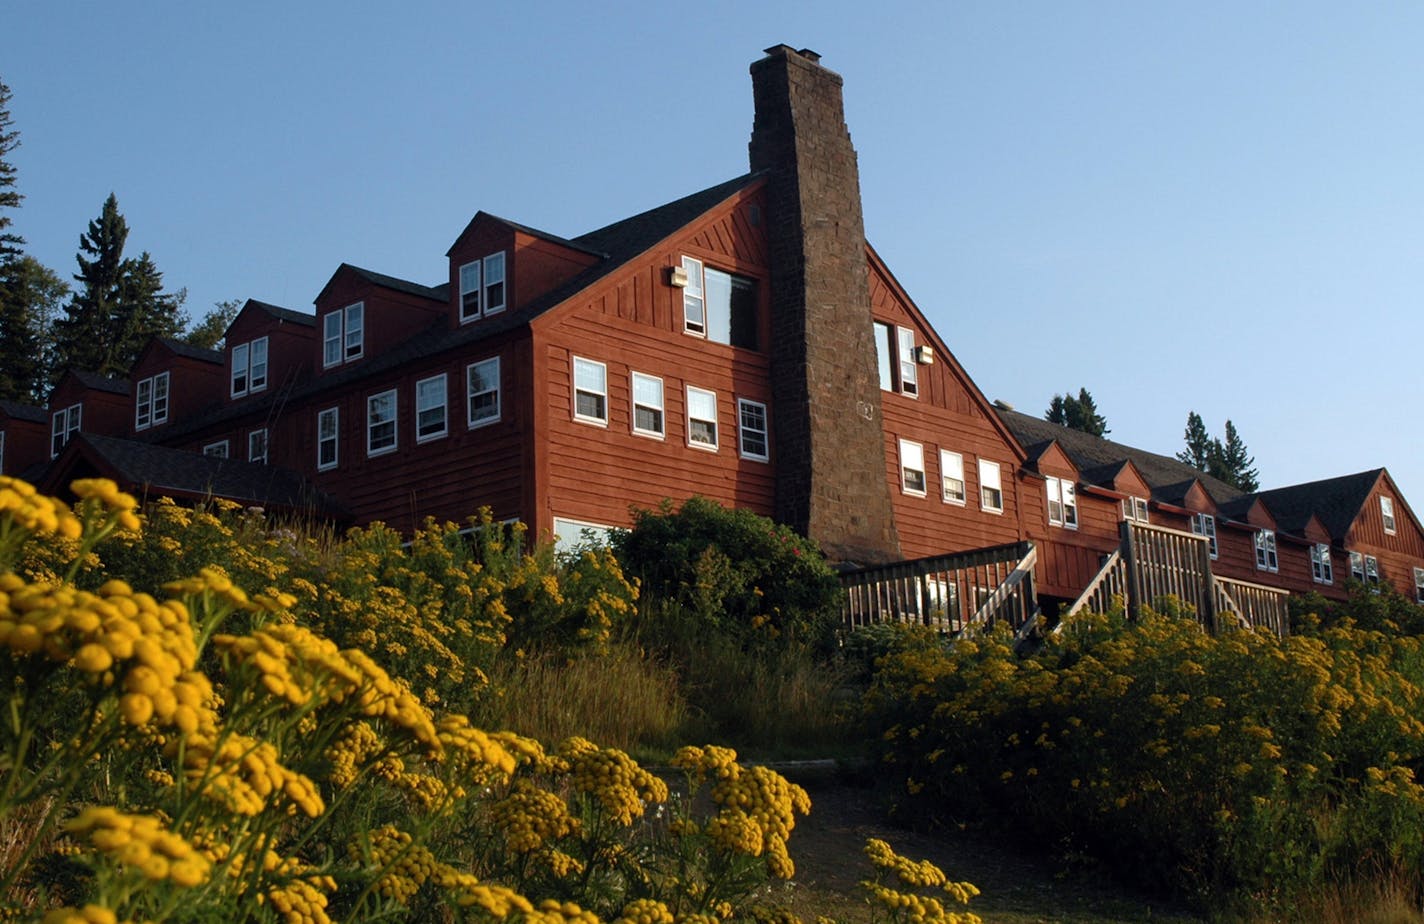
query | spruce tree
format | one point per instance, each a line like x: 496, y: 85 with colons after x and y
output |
x: 1198, y: 451
x: 10, y: 198
x: 1080, y: 413
x: 30, y: 298
x: 143, y: 311
x: 84, y: 335
x: 1236, y: 463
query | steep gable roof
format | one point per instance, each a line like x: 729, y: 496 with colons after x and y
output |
x: 95, y: 382
x: 1336, y: 501
x: 284, y: 314
x: 483, y: 216
x: 1092, y: 453
x: 17, y: 411
x: 178, y: 347
x: 158, y: 470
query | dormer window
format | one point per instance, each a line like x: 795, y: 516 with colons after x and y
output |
x: 1321, y: 570
x: 1204, y: 524
x: 151, y: 401
x: 343, y: 335
x: 482, y: 287
x: 1266, y: 550
x: 249, y: 367
x: 66, y: 424
x: 1135, y: 509
x: 719, y: 306
x: 1387, y: 512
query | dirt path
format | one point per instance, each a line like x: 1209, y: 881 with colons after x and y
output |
x: 827, y: 847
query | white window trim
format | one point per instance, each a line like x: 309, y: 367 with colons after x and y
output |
x: 471, y: 422
x: 1419, y: 585
x: 694, y: 293
x: 341, y: 334
x: 444, y: 406
x: 716, y: 429
x: 950, y: 462
x: 599, y: 531
x: 220, y: 449
x: 1062, y: 492
x: 990, y: 472
x: 660, y: 407
x: 1357, y: 566
x: 394, y: 423
x: 1387, y: 515
x: 65, y: 423
x: 335, y: 440
x: 1322, y: 569
x: 1200, y: 523
x: 909, y: 372
x: 742, y: 430
x: 1134, y: 508
x: 912, y: 452
x: 244, y: 362
x: 260, y: 433
x: 1267, y: 558
x: 598, y: 421
x: 482, y: 268
x: 146, y: 401
x: 1372, y: 572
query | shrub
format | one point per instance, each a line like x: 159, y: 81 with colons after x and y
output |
x: 739, y: 573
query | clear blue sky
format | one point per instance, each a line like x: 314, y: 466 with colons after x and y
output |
x: 1209, y: 206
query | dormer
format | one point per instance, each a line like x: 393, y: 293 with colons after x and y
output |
x: 361, y: 313
x: 88, y: 402
x: 172, y: 380
x: 498, y: 266
x: 265, y: 347
x: 1048, y: 461
x: 24, y: 431
x: 1121, y: 480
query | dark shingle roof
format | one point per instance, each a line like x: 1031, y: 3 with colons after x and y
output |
x: 190, y: 351
x: 1098, y: 457
x: 399, y: 285
x: 97, y: 382
x: 157, y: 470
x: 17, y: 411
x: 285, y: 314
x: 1337, y: 501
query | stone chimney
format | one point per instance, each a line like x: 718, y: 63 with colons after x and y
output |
x: 830, y: 446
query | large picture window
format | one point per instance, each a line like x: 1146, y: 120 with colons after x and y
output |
x: 719, y: 306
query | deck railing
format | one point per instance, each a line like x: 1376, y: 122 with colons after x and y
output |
x: 1259, y: 606
x: 948, y: 592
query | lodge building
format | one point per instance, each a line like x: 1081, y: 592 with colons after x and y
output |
x: 744, y: 343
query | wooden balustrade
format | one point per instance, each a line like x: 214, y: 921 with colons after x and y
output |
x: 948, y: 592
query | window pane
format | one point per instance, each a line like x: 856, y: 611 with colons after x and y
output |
x: 719, y: 305
x: 494, y: 282
x: 483, y: 391
x: 882, y: 357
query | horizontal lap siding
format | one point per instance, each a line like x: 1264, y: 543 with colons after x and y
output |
x: 634, y: 323
x: 1070, y: 558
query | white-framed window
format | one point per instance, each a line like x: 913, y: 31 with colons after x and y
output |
x: 381, y: 423
x: 1322, y: 571
x: 249, y: 366
x: 430, y: 409
x: 884, y: 335
x: 327, y: 427
x: 1135, y: 509
x: 648, y: 417
x: 590, y: 391
x: 752, y: 431
x: 1387, y: 512
x: 217, y: 450
x: 951, y: 470
x: 482, y: 392
x: 1062, y: 503
x: 719, y: 306
x: 482, y: 287
x: 257, y: 446
x: 1204, y: 524
x: 991, y: 489
x: 912, y: 468
x: 1357, y: 566
x: 701, y: 418
x: 1372, y: 574
x: 1266, y: 550
x: 343, y: 334
x: 151, y: 401
x: 1419, y: 585
x: 571, y: 535
x: 909, y: 369
x: 65, y: 425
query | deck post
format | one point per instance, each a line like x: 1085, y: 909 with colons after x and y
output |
x: 1134, y: 576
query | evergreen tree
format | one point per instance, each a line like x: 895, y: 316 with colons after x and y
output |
x: 9, y: 197
x: 1080, y: 413
x: 1198, y: 451
x: 143, y: 311
x: 209, y: 332
x: 83, y: 336
x: 1236, y: 463
x: 30, y: 298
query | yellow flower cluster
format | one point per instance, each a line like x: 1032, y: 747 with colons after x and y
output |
x: 89, y: 914
x: 243, y: 773
x: 406, y: 865
x: 621, y: 787
x: 357, y: 743
x: 475, y: 752
x: 101, y: 494
x: 554, y: 912
x: 379, y: 696
x: 916, y: 873
x: 141, y: 842
x: 292, y: 662
x: 907, y: 906
x: 530, y: 817
x: 210, y: 581
x: 757, y: 806
x: 32, y: 512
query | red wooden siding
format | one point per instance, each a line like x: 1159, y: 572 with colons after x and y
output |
x: 26, y: 444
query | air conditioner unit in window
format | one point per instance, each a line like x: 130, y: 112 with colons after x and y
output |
x: 677, y: 276
x: 924, y: 355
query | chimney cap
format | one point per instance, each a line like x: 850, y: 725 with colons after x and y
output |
x: 783, y: 50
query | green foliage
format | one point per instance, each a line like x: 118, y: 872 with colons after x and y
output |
x: 1080, y: 413
x: 1237, y: 769
x: 10, y: 197
x: 740, y: 574
x: 30, y: 298
x: 1227, y: 460
x: 210, y: 331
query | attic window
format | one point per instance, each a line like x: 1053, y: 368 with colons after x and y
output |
x: 1387, y: 511
x: 719, y: 306
x: 343, y: 335
x: 482, y: 287
x: 1266, y: 550
x: 1321, y: 570
x: 1135, y: 509
x: 1204, y: 524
